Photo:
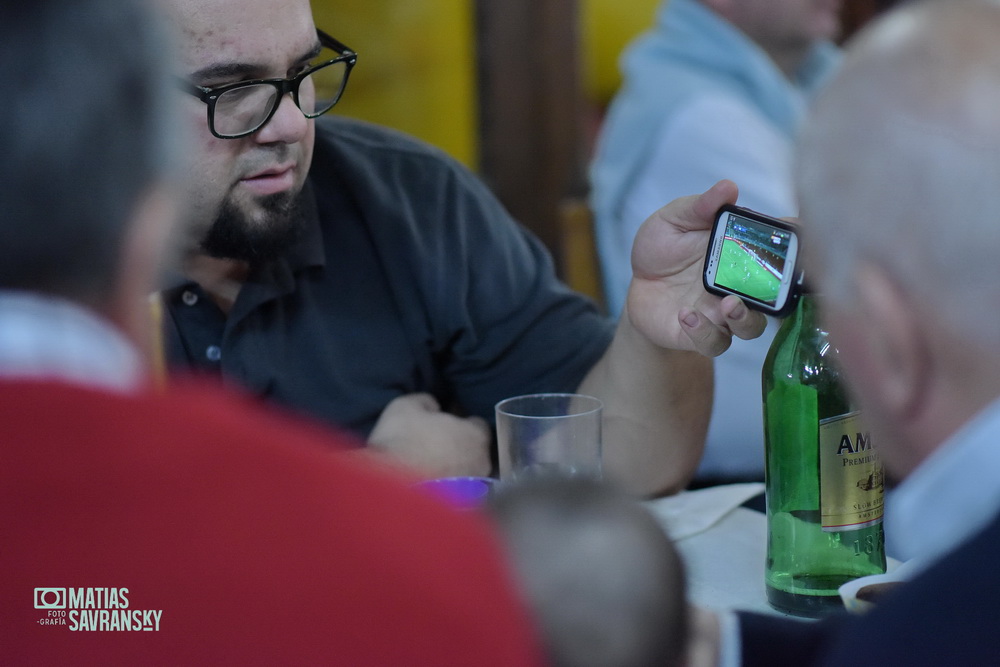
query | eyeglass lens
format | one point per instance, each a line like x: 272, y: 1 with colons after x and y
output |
x: 244, y: 109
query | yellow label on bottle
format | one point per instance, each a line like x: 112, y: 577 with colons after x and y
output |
x: 851, y: 481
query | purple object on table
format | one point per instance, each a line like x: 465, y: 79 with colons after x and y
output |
x: 461, y: 492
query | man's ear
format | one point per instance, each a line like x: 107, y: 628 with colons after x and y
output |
x: 897, y: 343
x: 146, y: 246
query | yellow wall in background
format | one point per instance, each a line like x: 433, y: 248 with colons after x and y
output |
x: 606, y: 27
x: 416, y: 61
x: 416, y: 67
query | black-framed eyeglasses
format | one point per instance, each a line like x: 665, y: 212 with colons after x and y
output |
x: 239, y: 109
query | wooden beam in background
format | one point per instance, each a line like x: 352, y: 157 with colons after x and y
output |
x: 532, y: 150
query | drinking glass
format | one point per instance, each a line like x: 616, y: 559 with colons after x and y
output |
x: 549, y: 434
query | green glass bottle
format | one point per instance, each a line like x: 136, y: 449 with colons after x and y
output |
x: 824, y: 480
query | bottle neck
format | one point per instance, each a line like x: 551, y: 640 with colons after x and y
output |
x: 806, y: 307
x: 805, y: 317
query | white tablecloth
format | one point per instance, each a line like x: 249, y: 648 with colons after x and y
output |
x: 723, y: 545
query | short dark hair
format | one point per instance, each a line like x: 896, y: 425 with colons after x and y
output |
x: 82, y: 135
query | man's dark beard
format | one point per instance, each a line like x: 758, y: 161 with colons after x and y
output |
x: 232, y: 236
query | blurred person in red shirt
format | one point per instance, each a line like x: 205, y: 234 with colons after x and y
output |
x: 187, y: 526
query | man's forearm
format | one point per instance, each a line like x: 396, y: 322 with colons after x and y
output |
x: 656, y: 408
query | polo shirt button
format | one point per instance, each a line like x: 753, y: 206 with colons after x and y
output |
x: 189, y: 298
x: 213, y: 353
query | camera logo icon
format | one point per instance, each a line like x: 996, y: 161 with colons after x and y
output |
x: 50, y: 598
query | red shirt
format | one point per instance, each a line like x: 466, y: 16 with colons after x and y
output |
x: 193, y: 528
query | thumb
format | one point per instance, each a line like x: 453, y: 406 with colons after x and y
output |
x: 479, y: 423
x: 708, y: 202
x: 423, y: 401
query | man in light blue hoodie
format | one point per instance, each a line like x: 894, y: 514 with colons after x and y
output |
x: 714, y: 90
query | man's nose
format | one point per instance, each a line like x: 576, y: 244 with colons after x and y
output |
x: 288, y: 125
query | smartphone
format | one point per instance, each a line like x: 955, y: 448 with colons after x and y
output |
x: 755, y: 257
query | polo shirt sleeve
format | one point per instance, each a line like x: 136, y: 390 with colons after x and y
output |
x: 501, y: 321
x: 473, y: 294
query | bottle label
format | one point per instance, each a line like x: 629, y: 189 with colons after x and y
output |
x: 851, y: 479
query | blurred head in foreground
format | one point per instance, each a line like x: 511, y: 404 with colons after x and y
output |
x: 899, y: 167
x: 602, y: 578
x: 85, y: 140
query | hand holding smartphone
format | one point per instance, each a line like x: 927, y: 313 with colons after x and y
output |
x: 755, y: 257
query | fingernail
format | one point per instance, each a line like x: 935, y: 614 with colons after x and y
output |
x: 738, y: 311
x: 690, y: 320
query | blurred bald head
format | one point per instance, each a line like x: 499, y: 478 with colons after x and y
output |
x: 898, y: 174
x: 900, y: 161
x: 603, y: 579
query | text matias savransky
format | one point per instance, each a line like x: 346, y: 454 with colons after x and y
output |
x: 94, y: 610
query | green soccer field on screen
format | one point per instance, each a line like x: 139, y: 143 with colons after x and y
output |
x: 745, y: 270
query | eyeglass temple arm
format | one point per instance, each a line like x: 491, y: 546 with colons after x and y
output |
x: 333, y: 43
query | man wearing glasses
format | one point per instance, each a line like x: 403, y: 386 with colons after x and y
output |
x: 356, y: 275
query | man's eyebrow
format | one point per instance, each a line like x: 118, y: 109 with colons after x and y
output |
x: 234, y: 70
x: 228, y: 70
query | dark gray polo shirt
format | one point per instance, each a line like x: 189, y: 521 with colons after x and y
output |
x: 410, y: 277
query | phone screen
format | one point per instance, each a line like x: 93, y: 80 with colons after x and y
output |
x: 752, y: 256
